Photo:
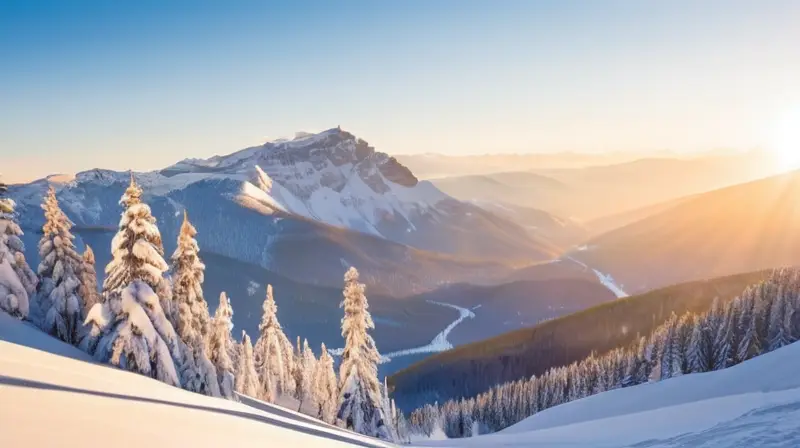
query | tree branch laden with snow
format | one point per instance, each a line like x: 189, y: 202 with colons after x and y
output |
x: 60, y: 273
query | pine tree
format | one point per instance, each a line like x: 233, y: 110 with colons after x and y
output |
x: 326, y: 393
x: 779, y: 324
x: 130, y: 328
x: 387, y: 405
x: 193, y: 320
x: 683, y: 334
x: 17, y: 281
x: 59, y: 272
x: 671, y: 346
x: 723, y: 348
x: 220, y: 345
x: 187, y: 288
x: 133, y: 333
x: 246, y: 376
x: 88, y: 290
x: 305, y: 381
x: 360, y: 396
x: 749, y: 344
x: 138, y: 253
x: 297, y: 374
x: 274, y: 353
x: 695, y: 351
x: 639, y: 371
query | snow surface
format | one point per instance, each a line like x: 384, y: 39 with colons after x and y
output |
x: 756, y: 403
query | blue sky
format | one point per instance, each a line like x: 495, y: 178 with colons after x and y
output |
x: 142, y: 84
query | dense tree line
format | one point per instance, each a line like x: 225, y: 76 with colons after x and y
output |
x: 762, y: 319
x: 472, y: 369
x: 152, y: 319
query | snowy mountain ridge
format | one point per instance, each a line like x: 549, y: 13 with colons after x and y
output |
x: 311, y: 188
x: 332, y: 177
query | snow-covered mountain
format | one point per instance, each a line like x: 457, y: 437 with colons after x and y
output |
x: 327, y: 190
x: 331, y: 177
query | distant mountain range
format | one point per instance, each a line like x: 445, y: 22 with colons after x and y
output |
x: 591, y: 193
x: 327, y: 201
x: 742, y: 228
x: 434, y: 166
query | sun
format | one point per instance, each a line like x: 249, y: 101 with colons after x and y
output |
x: 785, y: 144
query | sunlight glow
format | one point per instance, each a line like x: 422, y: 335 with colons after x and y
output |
x: 786, y: 141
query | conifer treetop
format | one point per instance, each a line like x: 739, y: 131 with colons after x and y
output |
x: 88, y: 255
x: 270, y: 316
x: 6, y: 204
x: 137, y: 249
x: 132, y: 195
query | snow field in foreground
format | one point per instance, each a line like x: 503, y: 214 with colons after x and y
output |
x: 50, y: 397
x: 55, y: 400
x: 754, y: 404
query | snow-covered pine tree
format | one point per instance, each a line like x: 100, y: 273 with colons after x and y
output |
x: 762, y: 312
x: 670, y: 348
x: 360, y: 397
x: 298, y: 373
x: 639, y: 370
x: 274, y: 353
x: 703, y: 349
x: 133, y: 334
x: 388, y: 411
x: 220, y: 345
x: 306, y: 381
x: 138, y: 252
x: 779, y: 322
x: 17, y: 280
x: 246, y: 376
x: 88, y: 290
x: 130, y: 328
x: 749, y: 343
x: 723, y: 348
x: 326, y: 392
x: 683, y: 334
x: 401, y: 423
x: 59, y: 273
x: 187, y: 287
x: 193, y: 320
x: 695, y: 357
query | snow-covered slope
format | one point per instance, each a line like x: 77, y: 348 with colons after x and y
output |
x: 52, y: 398
x: 755, y: 404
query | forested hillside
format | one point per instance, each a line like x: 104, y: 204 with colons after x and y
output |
x: 761, y: 319
x: 473, y: 368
